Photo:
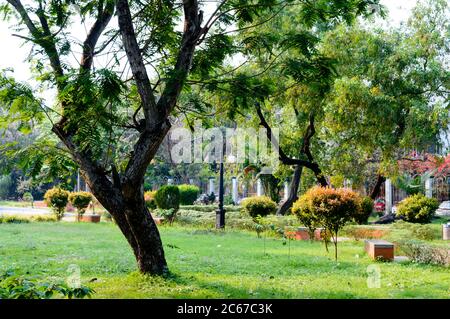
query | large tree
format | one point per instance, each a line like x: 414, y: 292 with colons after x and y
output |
x: 97, y: 108
x: 392, y: 93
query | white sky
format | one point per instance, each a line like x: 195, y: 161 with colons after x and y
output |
x: 13, y: 54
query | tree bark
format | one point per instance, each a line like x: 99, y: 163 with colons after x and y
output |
x: 293, y: 190
x: 148, y: 248
x: 377, y: 188
x: 134, y: 221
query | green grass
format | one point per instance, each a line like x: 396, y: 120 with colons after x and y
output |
x: 210, y: 264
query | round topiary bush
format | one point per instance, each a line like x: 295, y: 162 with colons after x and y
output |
x: 258, y: 206
x: 149, y: 197
x: 417, y: 209
x: 188, y: 194
x: 57, y: 199
x: 80, y: 200
x: 167, y: 197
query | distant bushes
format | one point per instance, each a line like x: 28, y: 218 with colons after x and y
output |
x: 28, y: 197
x: 188, y: 194
x: 358, y: 232
x: 258, y: 206
x: 417, y: 209
x: 418, y: 231
x: 58, y: 198
x: 210, y: 208
x: 14, y: 219
x: 233, y: 220
x: 425, y: 254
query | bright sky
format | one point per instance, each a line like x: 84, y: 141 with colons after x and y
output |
x: 13, y: 54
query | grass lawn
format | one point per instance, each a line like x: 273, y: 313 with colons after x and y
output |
x: 10, y: 203
x: 209, y: 264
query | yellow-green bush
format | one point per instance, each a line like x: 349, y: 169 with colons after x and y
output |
x: 417, y: 209
x: 258, y: 206
x: 80, y: 200
x: 57, y: 199
x: 188, y: 194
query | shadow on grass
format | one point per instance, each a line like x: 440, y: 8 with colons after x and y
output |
x: 192, y: 287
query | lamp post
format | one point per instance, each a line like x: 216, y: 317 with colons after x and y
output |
x: 220, y: 213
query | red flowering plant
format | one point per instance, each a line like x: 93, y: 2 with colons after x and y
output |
x: 419, y: 164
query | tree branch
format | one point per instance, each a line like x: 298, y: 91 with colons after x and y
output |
x: 157, y: 115
x: 44, y: 39
x: 137, y: 64
x: 103, y: 18
x: 177, y: 77
x: 282, y: 155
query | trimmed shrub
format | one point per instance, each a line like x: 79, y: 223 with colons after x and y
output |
x: 80, y: 200
x: 11, y: 219
x: 149, y: 197
x: 258, y: 206
x: 168, y: 201
x: 302, y: 210
x: 14, y: 219
x: 188, y: 194
x: 167, y: 197
x: 330, y: 208
x: 418, y: 231
x: 365, y: 209
x: 57, y: 199
x: 417, y: 209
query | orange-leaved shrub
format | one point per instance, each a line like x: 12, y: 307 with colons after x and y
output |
x: 329, y: 208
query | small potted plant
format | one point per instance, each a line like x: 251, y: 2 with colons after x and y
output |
x: 57, y: 199
x: 81, y: 201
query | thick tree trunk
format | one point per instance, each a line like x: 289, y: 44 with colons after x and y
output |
x: 293, y: 190
x: 148, y: 248
x: 377, y: 188
x: 134, y: 221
